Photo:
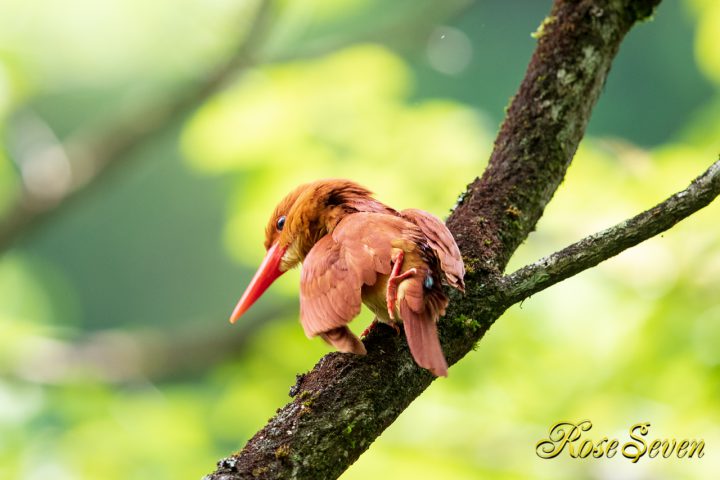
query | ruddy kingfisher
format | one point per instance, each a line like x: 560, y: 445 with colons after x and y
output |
x: 355, y: 249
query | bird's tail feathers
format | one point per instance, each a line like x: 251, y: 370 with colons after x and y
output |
x: 423, y: 340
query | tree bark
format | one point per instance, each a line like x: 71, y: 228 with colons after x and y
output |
x: 346, y: 401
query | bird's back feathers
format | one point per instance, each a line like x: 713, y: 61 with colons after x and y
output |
x: 358, y: 254
x: 442, y: 242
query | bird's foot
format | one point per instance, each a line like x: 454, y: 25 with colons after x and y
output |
x: 395, y: 278
x: 366, y: 332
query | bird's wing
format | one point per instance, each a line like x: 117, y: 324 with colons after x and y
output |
x: 337, y: 267
x: 442, y: 242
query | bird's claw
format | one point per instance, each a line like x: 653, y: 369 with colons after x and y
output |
x: 395, y: 327
x: 395, y: 278
x: 366, y: 332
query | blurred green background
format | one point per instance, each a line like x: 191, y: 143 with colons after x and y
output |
x: 116, y: 358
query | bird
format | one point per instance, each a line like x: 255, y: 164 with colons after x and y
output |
x: 354, y: 250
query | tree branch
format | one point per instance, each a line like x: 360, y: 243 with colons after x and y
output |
x: 600, y: 246
x: 93, y: 154
x: 120, y: 357
x: 346, y: 401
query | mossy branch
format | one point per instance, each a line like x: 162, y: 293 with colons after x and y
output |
x: 600, y: 246
x: 346, y: 401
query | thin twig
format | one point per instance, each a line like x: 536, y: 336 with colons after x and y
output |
x: 601, y: 246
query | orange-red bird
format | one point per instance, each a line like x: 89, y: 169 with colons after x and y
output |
x: 355, y: 249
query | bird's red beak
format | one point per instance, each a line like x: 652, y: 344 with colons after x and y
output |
x: 267, y: 273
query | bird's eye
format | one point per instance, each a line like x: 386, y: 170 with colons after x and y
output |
x: 280, y: 223
x: 429, y: 282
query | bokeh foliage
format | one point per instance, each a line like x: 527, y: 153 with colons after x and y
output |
x: 115, y: 357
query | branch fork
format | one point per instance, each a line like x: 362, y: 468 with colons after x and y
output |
x: 346, y: 401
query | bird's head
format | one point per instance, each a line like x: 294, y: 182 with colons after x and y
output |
x: 303, y: 217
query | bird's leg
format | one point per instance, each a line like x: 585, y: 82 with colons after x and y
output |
x: 366, y: 332
x: 395, y: 327
x: 395, y: 278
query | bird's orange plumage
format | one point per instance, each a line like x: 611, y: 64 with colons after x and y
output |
x: 349, y: 243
